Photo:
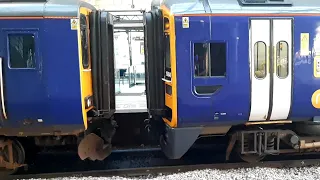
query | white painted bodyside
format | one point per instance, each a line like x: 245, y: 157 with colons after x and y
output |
x: 282, y: 31
x: 260, y: 31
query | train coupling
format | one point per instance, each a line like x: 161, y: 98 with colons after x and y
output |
x: 93, y: 148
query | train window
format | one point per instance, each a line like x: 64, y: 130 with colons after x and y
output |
x: 260, y: 59
x: 84, y: 41
x: 218, y: 55
x: 22, y: 50
x: 210, y: 59
x: 201, y: 59
x: 167, y: 56
x: 282, y: 54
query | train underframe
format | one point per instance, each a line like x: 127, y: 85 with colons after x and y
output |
x: 254, y: 145
x: 250, y: 143
x: 94, y: 143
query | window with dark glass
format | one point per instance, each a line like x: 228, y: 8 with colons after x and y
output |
x: 282, y: 54
x: 260, y: 60
x: 207, y: 89
x: 22, y: 50
x: 167, y: 51
x: 210, y: 59
x: 84, y: 41
x: 167, y: 56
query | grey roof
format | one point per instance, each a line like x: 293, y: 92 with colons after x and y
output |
x: 66, y: 8
x: 233, y: 6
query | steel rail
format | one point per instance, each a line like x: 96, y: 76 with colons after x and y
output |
x: 133, y: 172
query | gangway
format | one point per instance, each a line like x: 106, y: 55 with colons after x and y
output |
x: 130, y: 78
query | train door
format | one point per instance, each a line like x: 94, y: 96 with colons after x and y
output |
x: 20, y: 70
x: 102, y: 55
x: 271, y: 68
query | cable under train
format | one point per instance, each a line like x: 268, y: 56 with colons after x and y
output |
x: 248, y: 70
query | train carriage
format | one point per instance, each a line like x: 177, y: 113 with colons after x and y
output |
x: 56, y: 57
x: 233, y: 65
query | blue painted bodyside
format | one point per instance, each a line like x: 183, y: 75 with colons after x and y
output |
x: 304, y: 84
x: 230, y: 105
x: 51, y: 91
x: 200, y: 109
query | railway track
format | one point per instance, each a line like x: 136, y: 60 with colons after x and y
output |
x: 145, y: 162
x: 162, y: 170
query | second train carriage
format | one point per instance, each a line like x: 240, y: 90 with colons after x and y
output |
x: 231, y: 66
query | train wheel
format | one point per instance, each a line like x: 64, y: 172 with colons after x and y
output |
x: 251, y: 158
x: 12, y: 156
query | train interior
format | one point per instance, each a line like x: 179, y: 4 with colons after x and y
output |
x: 129, y: 62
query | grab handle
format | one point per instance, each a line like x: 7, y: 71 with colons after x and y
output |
x: 3, y: 107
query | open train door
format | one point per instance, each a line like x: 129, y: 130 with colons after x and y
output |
x: 102, y: 52
x: 154, y: 62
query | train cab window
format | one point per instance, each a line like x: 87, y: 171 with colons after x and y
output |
x: 84, y: 41
x: 21, y: 50
x: 167, y: 56
x: 260, y: 60
x: 282, y: 54
x: 210, y: 59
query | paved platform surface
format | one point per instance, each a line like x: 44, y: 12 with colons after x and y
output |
x: 131, y: 99
x: 128, y: 104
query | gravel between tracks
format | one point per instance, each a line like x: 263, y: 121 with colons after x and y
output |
x: 304, y: 173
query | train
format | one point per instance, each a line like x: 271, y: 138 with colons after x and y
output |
x: 245, y: 70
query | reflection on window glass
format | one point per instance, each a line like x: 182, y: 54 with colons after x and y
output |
x: 282, y: 59
x: 210, y: 59
x: 84, y: 41
x: 201, y: 59
x: 260, y: 59
x: 22, y: 51
x: 207, y: 89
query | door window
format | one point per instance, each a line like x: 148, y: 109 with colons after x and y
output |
x: 282, y: 54
x: 260, y: 60
x: 21, y: 50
